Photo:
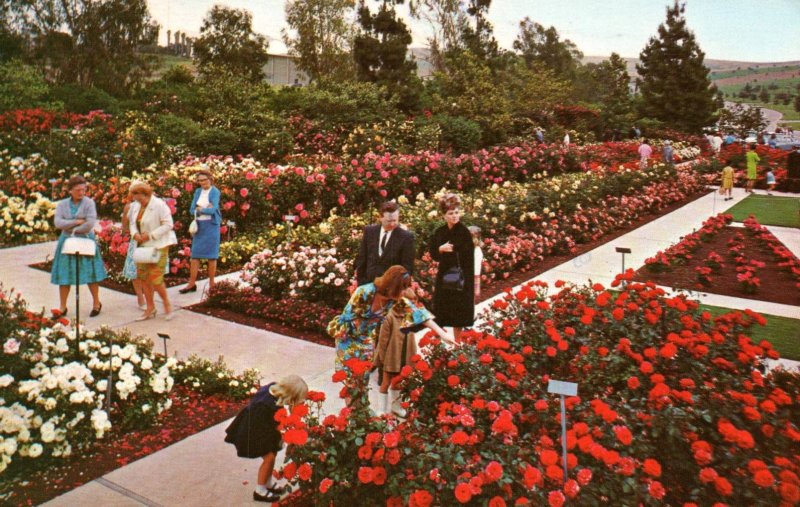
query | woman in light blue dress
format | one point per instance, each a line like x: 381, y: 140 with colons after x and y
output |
x: 205, y: 243
x: 76, y: 216
x: 129, y: 268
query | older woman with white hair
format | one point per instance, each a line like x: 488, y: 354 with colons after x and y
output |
x: 151, y: 227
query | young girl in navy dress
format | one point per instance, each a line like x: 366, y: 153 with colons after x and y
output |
x: 255, y: 433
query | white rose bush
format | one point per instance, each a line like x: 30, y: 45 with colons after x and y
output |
x: 54, y: 389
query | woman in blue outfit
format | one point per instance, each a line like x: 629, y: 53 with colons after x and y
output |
x: 76, y: 216
x: 205, y: 244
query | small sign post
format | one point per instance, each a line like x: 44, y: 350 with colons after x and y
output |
x: 164, y: 337
x: 563, y: 389
x: 623, y: 251
x: 290, y: 220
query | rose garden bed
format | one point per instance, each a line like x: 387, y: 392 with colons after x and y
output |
x: 674, y: 408
x: 247, y: 308
x: 744, y: 262
x: 57, y: 429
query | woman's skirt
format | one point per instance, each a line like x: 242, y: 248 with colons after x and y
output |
x: 129, y: 268
x: 92, y: 269
x: 154, y: 273
x: 205, y: 244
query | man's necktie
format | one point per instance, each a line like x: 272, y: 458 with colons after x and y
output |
x: 383, y: 243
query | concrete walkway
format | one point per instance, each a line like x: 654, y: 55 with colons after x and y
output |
x: 202, y: 469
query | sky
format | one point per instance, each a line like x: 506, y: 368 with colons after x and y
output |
x: 743, y: 30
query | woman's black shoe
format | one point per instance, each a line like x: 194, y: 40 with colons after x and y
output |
x: 187, y: 290
x: 265, y: 498
x: 96, y: 311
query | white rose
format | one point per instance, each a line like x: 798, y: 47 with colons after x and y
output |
x: 6, y: 380
x: 35, y: 450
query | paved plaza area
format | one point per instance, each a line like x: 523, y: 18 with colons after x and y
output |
x: 202, y: 469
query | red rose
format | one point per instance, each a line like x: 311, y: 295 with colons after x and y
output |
x: 623, y: 434
x: 453, y: 380
x: 723, y: 486
x: 764, y: 478
x: 325, y: 485
x: 295, y: 437
x: 707, y: 475
x: 548, y: 457
x: 633, y: 382
x: 304, y: 472
x: 390, y: 440
x: 339, y: 376
x: 656, y: 490
x: 365, y: 475
x: 789, y: 492
x: 497, y: 502
x: 556, y: 499
x: 584, y: 476
x: 379, y: 476
x: 652, y: 467
x: 420, y: 498
x: 463, y: 493
x: 459, y: 438
x: 494, y: 470
x: 571, y: 488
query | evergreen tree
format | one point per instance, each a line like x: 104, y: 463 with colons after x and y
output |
x: 607, y: 84
x: 479, y: 39
x: 380, y: 51
x: 674, y: 83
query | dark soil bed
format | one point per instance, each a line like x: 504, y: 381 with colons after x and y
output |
x: 37, y: 482
x: 127, y: 288
x: 777, y: 285
x: 487, y: 291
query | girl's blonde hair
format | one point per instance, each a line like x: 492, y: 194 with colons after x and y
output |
x: 290, y: 390
x: 140, y: 187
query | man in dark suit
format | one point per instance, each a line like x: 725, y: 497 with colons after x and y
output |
x: 384, y: 245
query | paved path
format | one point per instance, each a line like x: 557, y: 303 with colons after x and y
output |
x: 202, y: 469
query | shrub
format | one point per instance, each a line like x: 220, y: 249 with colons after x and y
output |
x: 458, y: 134
x: 673, y: 407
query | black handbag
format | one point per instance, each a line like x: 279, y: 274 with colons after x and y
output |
x: 453, y: 278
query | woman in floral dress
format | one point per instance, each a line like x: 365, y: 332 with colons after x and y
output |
x: 356, y: 329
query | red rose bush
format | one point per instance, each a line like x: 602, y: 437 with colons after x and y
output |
x: 674, y: 407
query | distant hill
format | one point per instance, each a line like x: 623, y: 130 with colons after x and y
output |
x: 720, y: 69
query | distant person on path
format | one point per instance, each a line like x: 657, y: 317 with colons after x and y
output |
x: 255, y: 432
x: 730, y: 139
x: 452, y: 247
x: 770, y: 181
x: 727, y: 181
x: 384, y: 245
x: 773, y: 141
x: 716, y: 143
x: 644, y: 154
x: 151, y: 227
x: 205, y: 243
x: 129, y: 268
x: 668, y: 152
x: 793, y: 170
x: 635, y: 132
x: 566, y: 139
x: 752, y: 167
x: 76, y: 216
x: 540, y: 135
x: 356, y: 328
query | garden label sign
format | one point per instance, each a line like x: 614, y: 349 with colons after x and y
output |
x: 563, y: 389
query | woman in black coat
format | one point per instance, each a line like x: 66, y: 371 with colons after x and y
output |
x: 452, y: 246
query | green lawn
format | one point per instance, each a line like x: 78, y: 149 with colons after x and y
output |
x: 769, y: 210
x: 782, y: 332
x: 752, y: 70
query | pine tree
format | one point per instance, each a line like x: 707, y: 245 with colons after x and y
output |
x: 673, y: 81
x: 380, y: 50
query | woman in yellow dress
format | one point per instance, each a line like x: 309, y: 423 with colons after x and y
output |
x: 727, y: 182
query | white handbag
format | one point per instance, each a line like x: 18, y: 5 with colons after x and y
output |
x: 193, y: 226
x: 76, y: 245
x: 146, y: 255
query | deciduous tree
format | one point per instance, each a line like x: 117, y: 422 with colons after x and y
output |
x: 538, y: 44
x: 320, y: 37
x: 227, y: 40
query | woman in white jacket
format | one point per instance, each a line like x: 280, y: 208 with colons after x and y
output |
x: 151, y: 226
